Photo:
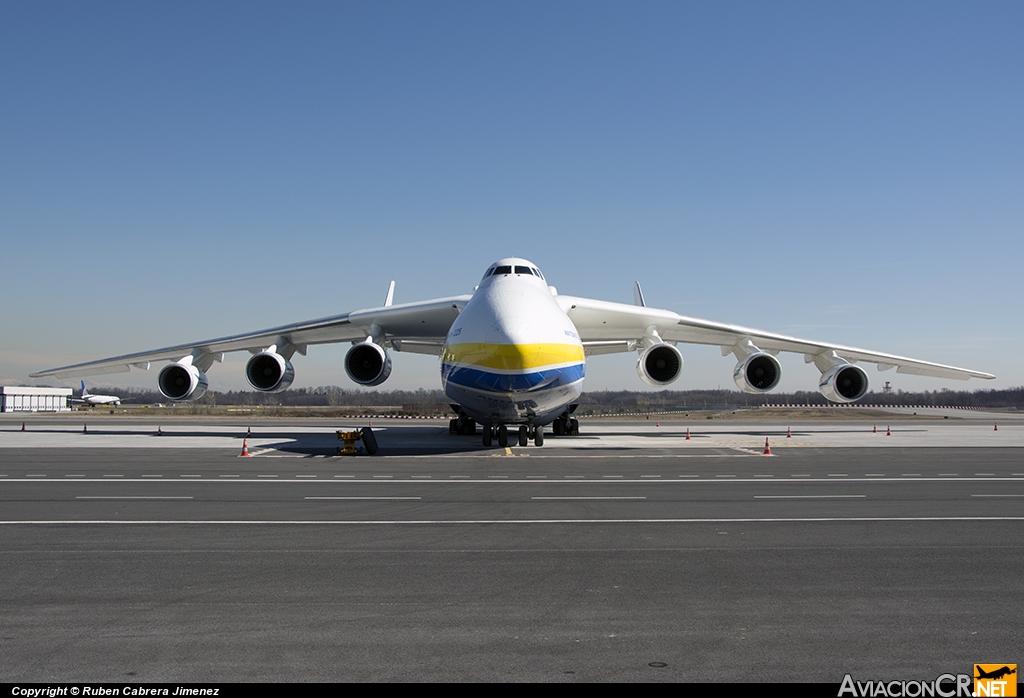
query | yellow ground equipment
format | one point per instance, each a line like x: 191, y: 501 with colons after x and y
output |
x: 350, y: 437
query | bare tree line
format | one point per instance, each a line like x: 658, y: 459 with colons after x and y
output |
x: 434, y: 401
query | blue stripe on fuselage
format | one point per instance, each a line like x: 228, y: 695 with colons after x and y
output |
x: 482, y: 379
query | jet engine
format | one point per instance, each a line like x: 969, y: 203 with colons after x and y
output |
x: 844, y: 383
x: 269, y: 372
x: 659, y: 364
x: 182, y: 381
x: 368, y: 364
x: 757, y: 373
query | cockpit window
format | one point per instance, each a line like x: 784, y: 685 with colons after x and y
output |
x: 503, y: 269
x: 488, y: 272
x: 524, y: 270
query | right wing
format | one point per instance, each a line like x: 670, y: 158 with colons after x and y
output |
x: 607, y: 327
x: 412, y: 327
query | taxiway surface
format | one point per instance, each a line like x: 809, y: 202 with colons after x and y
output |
x: 627, y: 554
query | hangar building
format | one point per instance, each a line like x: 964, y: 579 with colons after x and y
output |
x: 19, y: 398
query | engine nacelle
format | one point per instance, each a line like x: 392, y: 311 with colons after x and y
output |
x: 182, y: 382
x: 368, y: 364
x: 757, y: 373
x: 269, y: 372
x: 659, y: 364
x: 844, y: 383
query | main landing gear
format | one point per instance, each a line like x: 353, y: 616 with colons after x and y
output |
x: 523, y: 435
x: 566, y: 426
x: 463, y: 426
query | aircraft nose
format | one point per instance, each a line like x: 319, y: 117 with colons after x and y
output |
x: 508, y: 329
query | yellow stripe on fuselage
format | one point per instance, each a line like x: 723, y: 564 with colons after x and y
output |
x: 512, y: 357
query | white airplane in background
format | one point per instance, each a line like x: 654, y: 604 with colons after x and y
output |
x: 513, y: 352
x: 97, y: 399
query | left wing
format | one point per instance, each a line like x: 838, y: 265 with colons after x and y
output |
x: 606, y: 327
x: 414, y: 327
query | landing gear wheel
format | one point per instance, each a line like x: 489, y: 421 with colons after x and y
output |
x: 524, y: 435
x: 369, y: 440
x: 468, y: 427
x: 488, y: 436
x: 453, y: 427
x: 574, y: 427
x: 503, y: 436
x: 558, y: 427
x: 538, y: 436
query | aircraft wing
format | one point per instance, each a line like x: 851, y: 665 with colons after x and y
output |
x: 413, y: 327
x: 606, y: 327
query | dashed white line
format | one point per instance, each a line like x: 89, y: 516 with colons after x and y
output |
x: 514, y: 522
x: 366, y: 498
x: 588, y: 498
x: 809, y: 496
x: 102, y: 497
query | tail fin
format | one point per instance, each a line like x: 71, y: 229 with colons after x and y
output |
x: 85, y: 393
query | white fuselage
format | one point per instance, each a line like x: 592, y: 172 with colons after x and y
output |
x: 101, y: 400
x: 512, y: 355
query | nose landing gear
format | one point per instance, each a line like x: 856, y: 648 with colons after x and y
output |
x: 522, y: 436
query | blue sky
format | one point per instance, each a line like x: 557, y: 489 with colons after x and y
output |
x: 850, y: 172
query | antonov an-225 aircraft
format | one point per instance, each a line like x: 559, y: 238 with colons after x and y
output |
x: 512, y: 353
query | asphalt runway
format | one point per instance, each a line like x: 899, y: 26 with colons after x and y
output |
x: 626, y: 554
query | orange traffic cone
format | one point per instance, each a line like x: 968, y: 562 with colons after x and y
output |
x: 888, y: 431
x: 248, y: 434
x: 789, y: 432
x: 85, y: 428
x: 687, y: 433
x: 245, y: 449
x: 767, y: 448
x: 159, y: 431
x: 874, y: 428
x: 23, y: 426
x: 996, y: 429
x: 657, y: 424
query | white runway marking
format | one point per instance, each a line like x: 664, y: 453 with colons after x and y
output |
x: 575, y: 498
x: 365, y: 498
x: 140, y: 497
x: 567, y: 480
x: 514, y: 522
x: 808, y: 496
